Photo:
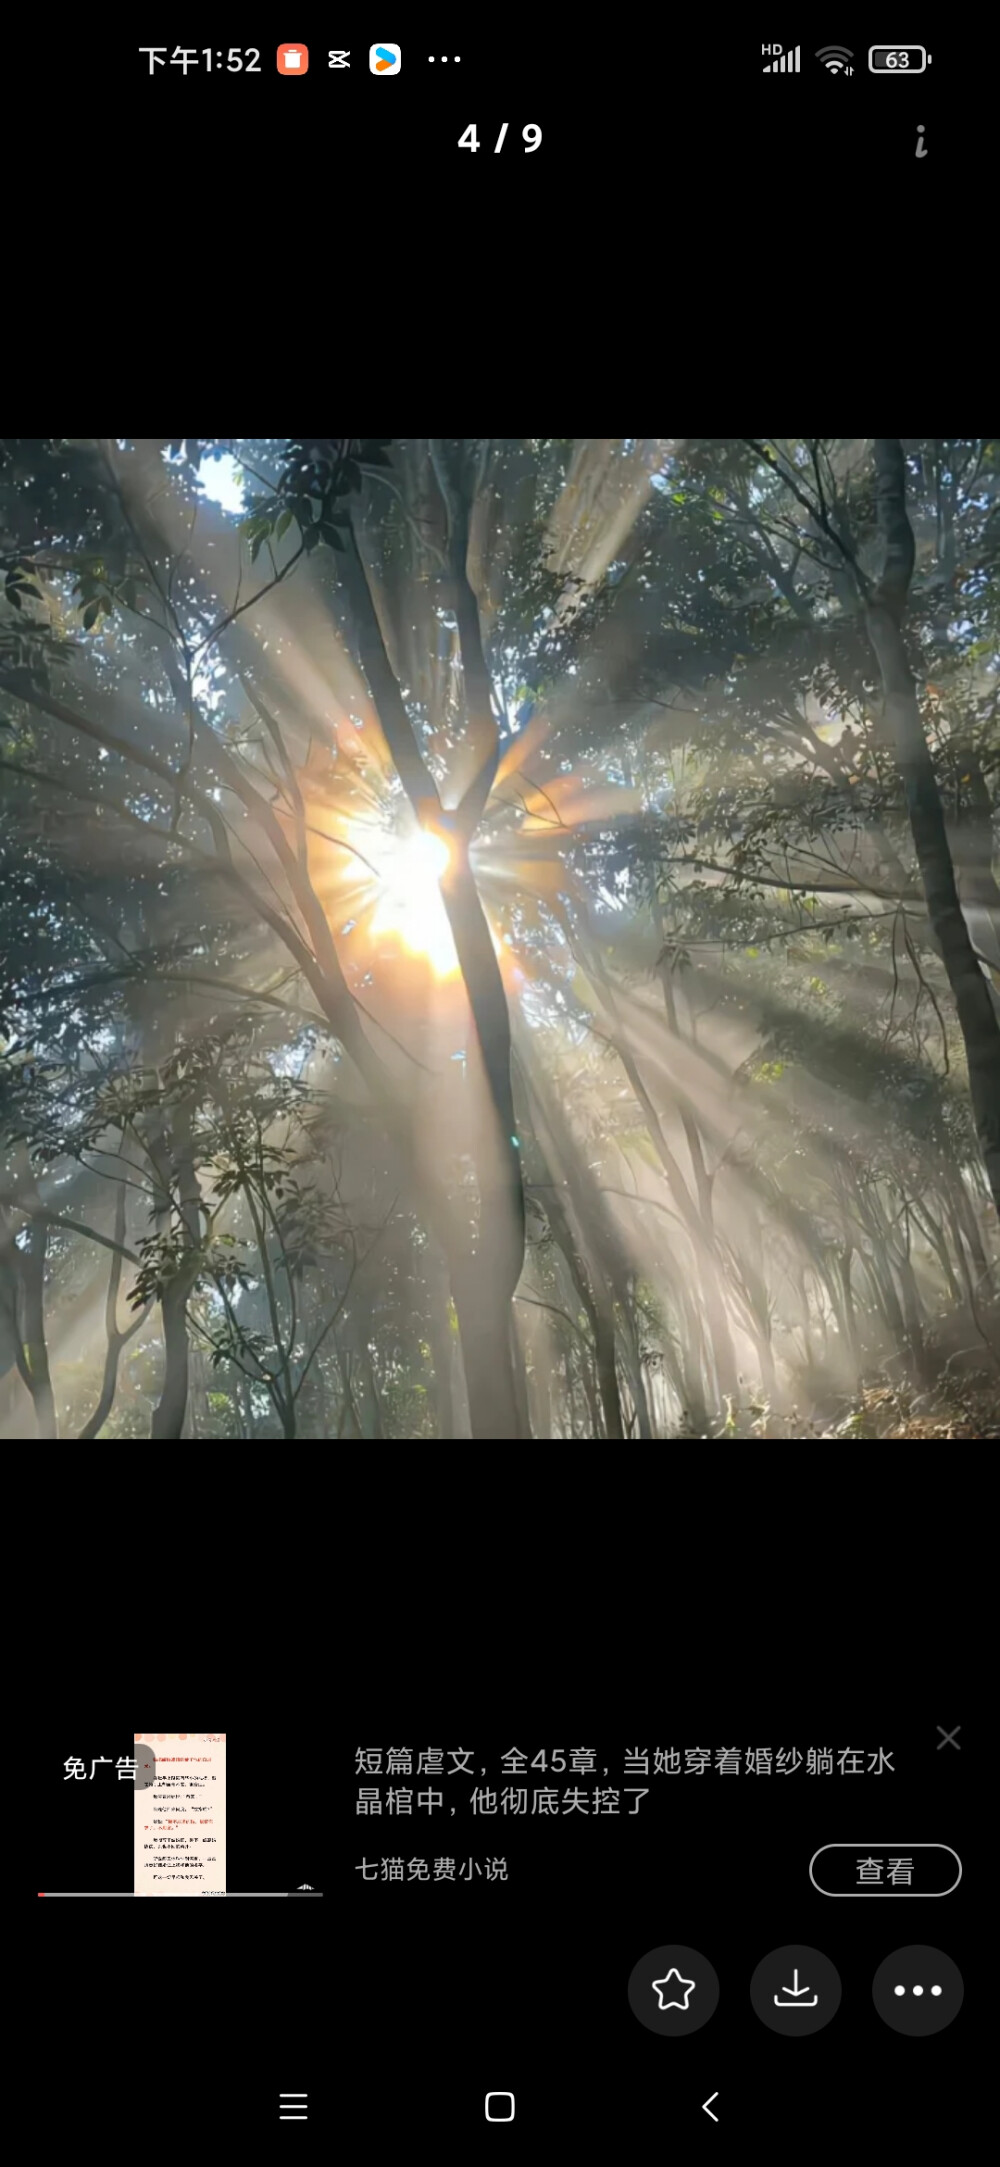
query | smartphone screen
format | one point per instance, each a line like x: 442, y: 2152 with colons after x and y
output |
x: 498, y: 947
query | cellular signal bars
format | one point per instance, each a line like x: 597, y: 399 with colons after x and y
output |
x: 789, y: 64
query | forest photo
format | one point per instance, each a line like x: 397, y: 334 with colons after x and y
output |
x: 500, y: 938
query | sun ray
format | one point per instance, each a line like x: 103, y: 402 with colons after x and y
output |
x: 409, y: 907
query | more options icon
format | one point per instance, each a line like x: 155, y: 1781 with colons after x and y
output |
x: 918, y: 1990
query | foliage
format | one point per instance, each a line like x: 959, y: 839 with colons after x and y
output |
x: 232, y: 1114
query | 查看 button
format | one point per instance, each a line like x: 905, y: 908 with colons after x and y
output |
x: 885, y: 1869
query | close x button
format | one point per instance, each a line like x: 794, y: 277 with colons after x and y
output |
x: 885, y: 1869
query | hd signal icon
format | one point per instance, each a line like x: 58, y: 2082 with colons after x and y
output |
x: 786, y: 64
x: 836, y: 59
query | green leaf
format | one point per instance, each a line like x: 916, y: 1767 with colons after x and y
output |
x: 284, y: 522
x: 91, y: 615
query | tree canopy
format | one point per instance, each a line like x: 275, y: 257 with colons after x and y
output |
x: 500, y: 938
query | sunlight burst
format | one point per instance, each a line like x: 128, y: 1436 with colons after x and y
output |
x: 409, y: 905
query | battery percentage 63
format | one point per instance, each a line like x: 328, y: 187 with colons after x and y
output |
x: 898, y: 59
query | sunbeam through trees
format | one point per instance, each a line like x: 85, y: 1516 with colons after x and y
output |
x: 500, y: 938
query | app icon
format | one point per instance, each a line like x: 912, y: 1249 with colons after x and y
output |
x: 293, y: 59
x: 384, y: 59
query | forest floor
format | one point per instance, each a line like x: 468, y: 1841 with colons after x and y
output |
x: 960, y: 1394
x: 953, y: 1392
x: 962, y: 1408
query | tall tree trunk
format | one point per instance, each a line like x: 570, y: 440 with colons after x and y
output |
x: 607, y: 1373
x: 912, y: 1315
x: 703, y: 1179
x: 880, y: 1274
x: 934, y: 1233
x: 582, y: 1253
x: 168, y: 1416
x: 483, y: 1276
x: 169, y: 1413
x: 486, y: 1358
x: 494, y: 1267
x: 977, y: 1017
x: 373, y: 1420
x: 442, y: 1345
x: 968, y: 1222
x: 697, y: 1217
x: 970, y: 832
x: 116, y: 1340
x: 196, y: 1422
x: 520, y: 1377
x: 844, y: 1256
x: 632, y: 1356
x: 590, y: 1394
x: 22, y: 1288
x: 693, y: 1382
x: 541, y: 1350
x: 33, y: 1341
x: 765, y: 1362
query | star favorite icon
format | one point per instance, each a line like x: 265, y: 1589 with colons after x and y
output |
x: 673, y: 1990
x: 674, y: 2000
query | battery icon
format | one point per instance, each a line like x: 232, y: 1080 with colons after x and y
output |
x: 898, y: 59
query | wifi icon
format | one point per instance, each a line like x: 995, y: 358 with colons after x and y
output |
x: 836, y: 58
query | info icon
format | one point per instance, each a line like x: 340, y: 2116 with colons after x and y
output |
x: 293, y: 59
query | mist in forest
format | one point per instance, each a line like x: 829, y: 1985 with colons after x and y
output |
x: 500, y: 938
